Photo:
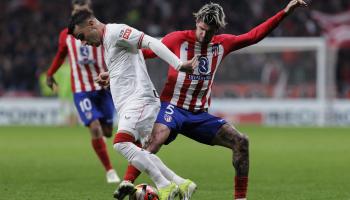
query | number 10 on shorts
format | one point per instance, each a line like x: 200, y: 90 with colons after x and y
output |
x: 85, y: 105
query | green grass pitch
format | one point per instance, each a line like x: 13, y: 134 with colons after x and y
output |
x: 56, y: 163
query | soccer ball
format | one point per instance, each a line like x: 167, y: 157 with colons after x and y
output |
x: 144, y: 192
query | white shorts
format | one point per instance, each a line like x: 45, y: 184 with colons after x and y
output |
x: 138, y: 119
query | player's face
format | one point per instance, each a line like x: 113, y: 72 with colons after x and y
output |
x: 88, y: 34
x: 204, y: 32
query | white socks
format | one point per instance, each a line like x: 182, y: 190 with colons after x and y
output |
x: 168, y: 173
x: 141, y: 160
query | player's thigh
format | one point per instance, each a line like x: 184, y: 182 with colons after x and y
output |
x: 86, y: 107
x: 138, y: 119
x: 168, y: 123
x: 202, y: 127
x: 146, y: 121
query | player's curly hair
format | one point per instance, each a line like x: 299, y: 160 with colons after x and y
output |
x: 78, y: 18
x: 212, y: 14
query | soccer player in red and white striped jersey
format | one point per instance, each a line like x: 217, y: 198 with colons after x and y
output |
x: 93, y: 102
x: 186, y: 97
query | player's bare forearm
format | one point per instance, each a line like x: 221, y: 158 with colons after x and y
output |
x: 294, y: 4
x: 189, y: 65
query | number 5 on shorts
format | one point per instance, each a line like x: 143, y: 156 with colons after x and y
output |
x: 169, y: 109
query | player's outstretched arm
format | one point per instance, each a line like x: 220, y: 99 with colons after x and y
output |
x: 294, y: 4
x: 57, y: 62
x: 165, y: 54
x: 261, y: 31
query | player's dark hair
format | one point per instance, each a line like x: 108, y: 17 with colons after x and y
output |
x: 78, y: 18
x: 212, y: 14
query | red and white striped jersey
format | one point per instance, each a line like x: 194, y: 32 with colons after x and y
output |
x: 193, y: 91
x: 86, y: 62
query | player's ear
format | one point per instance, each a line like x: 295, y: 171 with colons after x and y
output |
x: 91, y: 22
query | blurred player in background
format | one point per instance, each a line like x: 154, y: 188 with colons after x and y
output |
x: 93, y: 102
x: 133, y: 93
x: 186, y: 97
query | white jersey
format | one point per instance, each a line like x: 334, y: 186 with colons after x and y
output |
x: 129, y: 80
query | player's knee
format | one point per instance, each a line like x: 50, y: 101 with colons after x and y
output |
x: 153, y: 147
x: 107, y: 130
x: 237, y: 140
x: 243, y: 142
x: 95, y: 129
x: 159, y: 136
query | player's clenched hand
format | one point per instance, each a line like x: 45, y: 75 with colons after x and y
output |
x: 51, y: 82
x: 188, y: 66
x: 103, y: 79
x: 294, y: 4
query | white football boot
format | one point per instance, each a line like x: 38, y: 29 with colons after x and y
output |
x: 112, y: 176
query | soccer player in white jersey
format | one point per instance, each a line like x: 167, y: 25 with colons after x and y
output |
x: 185, y: 99
x: 132, y: 91
x: 93, y: 103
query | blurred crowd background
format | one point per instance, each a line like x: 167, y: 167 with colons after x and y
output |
x: 30, y: 29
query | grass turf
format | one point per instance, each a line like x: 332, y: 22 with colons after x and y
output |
x: 57, y: 163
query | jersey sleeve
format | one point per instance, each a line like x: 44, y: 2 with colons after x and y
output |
x: 167, y: 40
x: 258, y: 33
x: 129, y: 37
x: 61, y: 53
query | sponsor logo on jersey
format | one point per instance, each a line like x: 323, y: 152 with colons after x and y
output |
x: 84, y: 53
x: 127, y: 33
x: 199, y: 77
x: 167, y: 118
x: 203, y: 65
x: 86, y: 61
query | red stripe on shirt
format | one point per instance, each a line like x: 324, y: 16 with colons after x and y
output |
x: 89, y: 75
x: 71, y: 70
x: 213, y: 68
x: 200, y: 83
x: 96, y: 64
x: 80, y: 77
x: 139, y: 44
x: 187, y: 81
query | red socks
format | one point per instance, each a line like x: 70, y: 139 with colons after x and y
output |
x: 100, y: 148
x: 131, y: 173
x: 241, y: 184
